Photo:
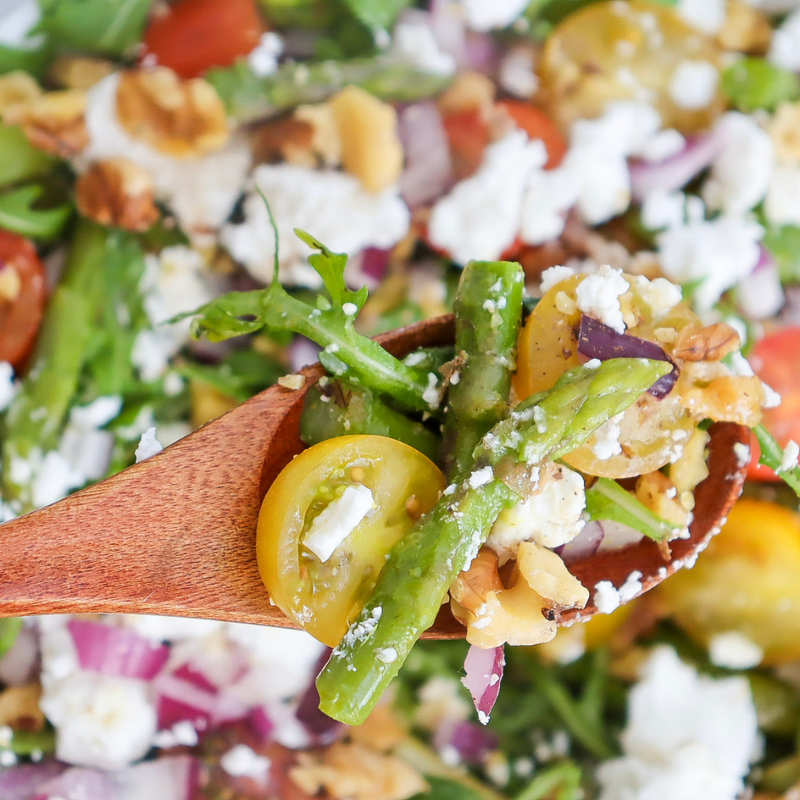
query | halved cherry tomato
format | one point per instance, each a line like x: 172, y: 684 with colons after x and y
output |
x: 194, y: 35
x: 22, y: 296
x: 776, y: 360
x: 538, y: 125
x: 325, y: 596
x: 468, y: 135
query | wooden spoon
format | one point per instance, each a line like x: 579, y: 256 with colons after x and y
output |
x: 175, y: 535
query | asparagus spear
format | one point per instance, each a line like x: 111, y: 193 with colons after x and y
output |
x: 340, y: 408
x: 249, y: 97
x: 488, y: 308
x: 423, y: 564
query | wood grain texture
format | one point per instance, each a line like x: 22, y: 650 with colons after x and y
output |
x: 175, y: 535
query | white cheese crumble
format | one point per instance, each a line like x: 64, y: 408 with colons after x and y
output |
x: 604, y: 442
x: 707, y: 16
x: 791, y: 453
x: 17, y: 20
x: 659, y: 294
x: 732, y: 650
x: 480, y: 477
x: 549, y: 195
x: 598, y: 296
x: 740, y: 174
x: 782, y: 203
x: 263, y: 58
x: 742, y: 453
x: 516, y: 74
x: 550, y: 517
x: 431, y: 393
x: 480, y: 217
x: 330, y: 203
x: 8, y: 388
x: 784, y: 50
x: 554, y: 275
x: 687, y: 735
x: 148, y: 445
x: 243, y: 761
x: 484, y: 15
x: 693, y: 84
x: 413, y: 42
x: 337, y: 521
x: 606, y: 597
x: 662, y: 145
x: 181, y: 733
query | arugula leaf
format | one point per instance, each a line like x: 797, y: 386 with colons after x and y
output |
x: 784, y: 244
x: 444, y: 789
x: 240, y: 375
x: 111, y: 27
x: 19, y: 214
x: 772, y: 455
x: 608, y: 500
x: 376, y: 13
x: 33, y: 60
x: 754, y: 83
x: 19, y: 159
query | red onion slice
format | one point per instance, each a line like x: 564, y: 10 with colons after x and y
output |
x: 180, y: 700
x: 261, y: 723
x: 484, y: 670
x: 760, y: 294
x: 112, y: 650
x: 596, y: 340
x: 618, y: 536
x: 429, y: 168
x: 584, y: 545
x: 78, y: 783
x: 18, y: 665
x: 22, y: 782
x: 676, y: 171
x: 472, y: 742
x: 320, y: 728
x: 172, y: 778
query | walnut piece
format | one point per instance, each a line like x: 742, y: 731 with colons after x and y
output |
x: 711, y: 343
x: 177, y: 117
x: 729, y: 398
x: 745, y: 29
x: 19, y: 707
x: 79, y: 72
x: 784, y: 130
x: 17, y: 87
x: 53, y: 122
x: 350, y: 771
x: 117, y: 192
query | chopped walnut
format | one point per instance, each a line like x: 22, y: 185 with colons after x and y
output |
x: 117, y: 192
x: 79, y: 72
x: 711, y: 343
x: 657, y: 492
x: 745, y: 29
x: 53, y: 122
x: 17, y: 87
x: 729, y: 398
x: 520, y: 612
x: 19, y: 707
x: 784, y: 129
x: 351, y: 771
x: 177, y: 117
x: 326, y: 139
x: 382, y: 730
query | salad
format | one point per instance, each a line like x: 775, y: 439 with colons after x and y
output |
x: 636, y: 162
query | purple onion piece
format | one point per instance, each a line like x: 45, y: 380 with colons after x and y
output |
x: 19, y: 664
x: 484, y: 670
x: 618, y: 536
x: 585, y: 544
x: 596, y: 340
x: 261, y: 723
x: 472, y: 742
x: 24, y: 781
x: 428, y: 173
x: 321, y: 728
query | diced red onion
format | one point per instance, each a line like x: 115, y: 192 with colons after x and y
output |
x: 22, y: 782
x: 375, y: 262
x: 617, y: 536
x: 484, y: 670
x: 261, y: 723
x: 112, y: 650
x: 472, y: 742
x: 302, y: 352
x: 449, y: 29
x: 760, y: 294
x: 480, y: 52
x: 78, y: 783
x: 18, y: 665
x: 584, y: 545
x: 180, y: 700
x: 596, y: 340
x: 191, y: 675
x: 321, y: 728
x: 676, y: 171
x: 429, y: 168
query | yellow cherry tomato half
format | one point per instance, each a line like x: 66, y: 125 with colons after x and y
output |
x: 324, y: 596
x: 745, y: 582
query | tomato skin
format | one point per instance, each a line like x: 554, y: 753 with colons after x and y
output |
x: 325, y: 597
x: 468, y: 135
x: 21, y: 317
x: 776, y: 360
x: 195, y: 35
x: 538, y: 125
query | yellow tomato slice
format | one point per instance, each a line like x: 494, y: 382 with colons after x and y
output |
x: 325, y: 596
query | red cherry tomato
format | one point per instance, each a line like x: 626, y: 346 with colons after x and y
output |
x: 194, y: 35
x: 22, y: 301
x: 776, y: 360
x: 538, y: 125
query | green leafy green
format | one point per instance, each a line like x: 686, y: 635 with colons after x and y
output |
x: 564, y: 778
x: 772, y: 455
x: 19, y: 213
x: 300, y: 13
x: 110, y: 27
x: 608, y: 500
x: 9, y: 630
x: 784, y: 244
x: 376, y: 13
x: 445, y: 789
x: 25, y: 743
x: 241, y: 374
x: 19, y: 159
x: 33, y: 60
x: 754, y: 83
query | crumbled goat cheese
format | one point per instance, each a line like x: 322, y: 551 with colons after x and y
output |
x: 181, y: 733
x: 101, y: 721
x: 7, y: 386
x: 598, y: 296
x: 242, y: 761
x: 86, y: 448
x: 659, y: 294
x: 414, y: 43
x: 337, y: 521
x: 707, y: 16
x: 480, y: 217
x: 431, y: 394
x: 293, y: 382
x: 98, y: 413
x: 201, y: 190
x: 743, y: 454
x: 549, y: 195
x: 604, y: 185
x: 662, y: 145
x: 483, y: 15
x: 740, y: 174
x: 550, y: 517
x: 687, y: 735
x: 55, y: 479
x: 732, y: 650
x: 604, y: 441
x: 17, y: 19
x: 791, y: 453
x: 332, y: 204
x: 148, y: 445
x: 554, y: 275
x: 718, y: 252
x: 480, y: 477
x: 631, y: 587
x: 606, y: 597
x: 661, y: 210
x: 162, y: 629
x: 784, y: 49
x: 782, y: 203
x: 516, y: 74
x: 263, y: 58
x: 693, y: 84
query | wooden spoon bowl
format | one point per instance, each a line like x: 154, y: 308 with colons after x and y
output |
x: 175, y: 535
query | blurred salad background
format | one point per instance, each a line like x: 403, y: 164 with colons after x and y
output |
x: 658, y: 137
